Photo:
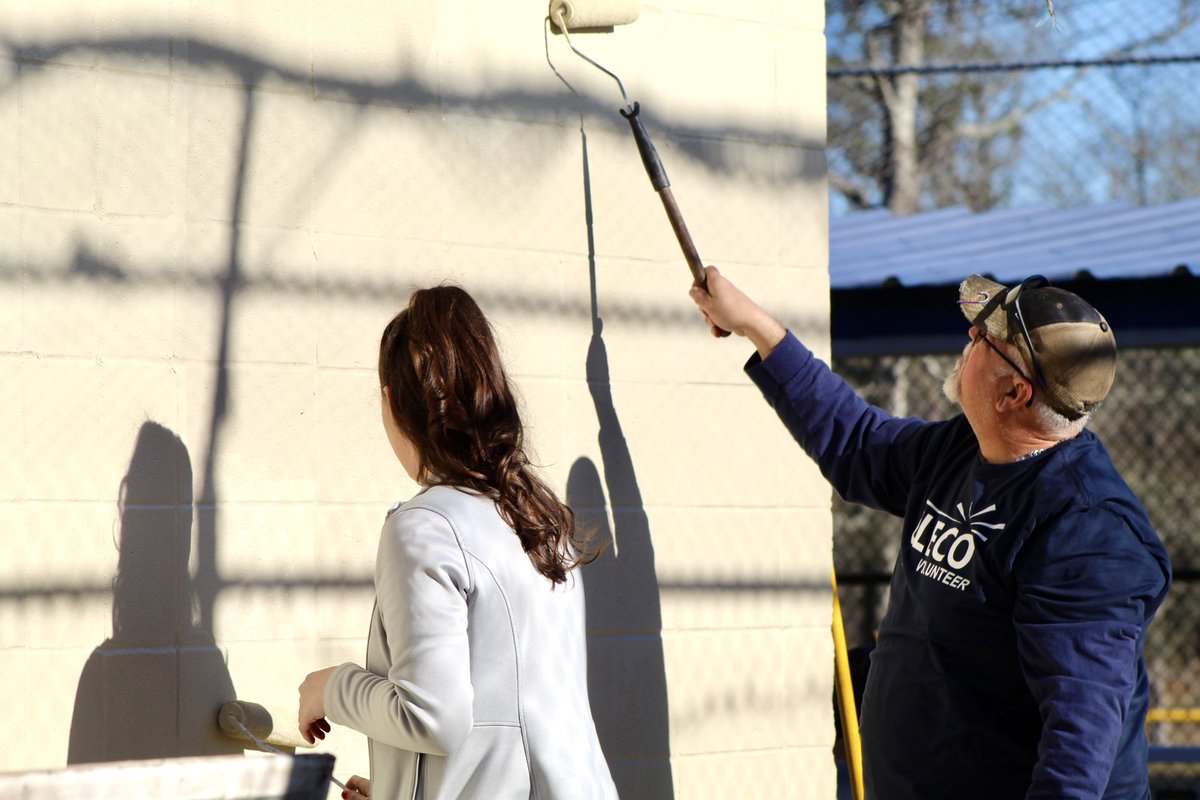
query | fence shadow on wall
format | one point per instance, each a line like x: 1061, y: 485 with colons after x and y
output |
x: 717, y: 148
x: 128, y: 703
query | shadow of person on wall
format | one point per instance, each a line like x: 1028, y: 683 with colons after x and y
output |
x: 626, y: 671
x: 153, y: 689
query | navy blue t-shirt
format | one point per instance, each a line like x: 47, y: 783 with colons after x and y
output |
x: 1009, y: 662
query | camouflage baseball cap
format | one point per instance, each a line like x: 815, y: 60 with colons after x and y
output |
x: 1069, y: 344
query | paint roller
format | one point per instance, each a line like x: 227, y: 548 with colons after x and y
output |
x: 268, y: 727
x: 592, y: 14
x: 604, y: 15
x: 260, y: 724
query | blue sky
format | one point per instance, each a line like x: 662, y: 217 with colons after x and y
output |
x: 1072, y: 141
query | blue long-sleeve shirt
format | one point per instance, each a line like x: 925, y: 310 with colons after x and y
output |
x: 1009, y: 662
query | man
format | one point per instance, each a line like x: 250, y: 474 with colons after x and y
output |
x: 1009, y: 662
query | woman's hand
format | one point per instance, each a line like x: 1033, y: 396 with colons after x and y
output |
x: 313, y: 724
x: 357, y: 788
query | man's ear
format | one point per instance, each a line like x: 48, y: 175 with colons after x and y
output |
x: 1015, y: 394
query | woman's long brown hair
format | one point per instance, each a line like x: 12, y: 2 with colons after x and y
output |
x: 450, y: 396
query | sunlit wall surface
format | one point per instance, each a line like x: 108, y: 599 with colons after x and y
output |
x: 208, y: 211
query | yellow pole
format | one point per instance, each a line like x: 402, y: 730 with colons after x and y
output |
x: 1173, y: 715
x: 845, y: 693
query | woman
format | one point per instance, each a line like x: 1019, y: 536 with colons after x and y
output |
x: 475, y: 682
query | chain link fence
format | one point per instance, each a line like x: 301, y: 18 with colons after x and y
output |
x: 1151, y: 428
x: 999, y: 108
x: 991, y: 105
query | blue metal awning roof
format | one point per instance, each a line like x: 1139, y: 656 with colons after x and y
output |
x: 892, y: 276
x: 1114, y: 240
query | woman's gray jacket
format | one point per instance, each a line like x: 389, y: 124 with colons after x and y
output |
x: 476, y: 674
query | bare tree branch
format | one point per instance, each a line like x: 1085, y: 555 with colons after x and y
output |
x: 858, y: 196
x: 1012, y: 121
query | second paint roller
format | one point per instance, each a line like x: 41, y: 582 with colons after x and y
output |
x: 568, y: 15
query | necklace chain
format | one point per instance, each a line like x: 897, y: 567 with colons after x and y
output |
x: 1030, y: 454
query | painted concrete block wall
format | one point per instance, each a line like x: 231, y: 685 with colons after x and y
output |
x: 208, y: 211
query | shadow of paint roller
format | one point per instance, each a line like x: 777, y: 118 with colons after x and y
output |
x: 604, y: 15
x: 272, y: 726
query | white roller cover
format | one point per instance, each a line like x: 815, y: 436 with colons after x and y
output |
x: 592, y: 13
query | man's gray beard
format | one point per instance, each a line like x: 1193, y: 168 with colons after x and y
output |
x: 952, y: 386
